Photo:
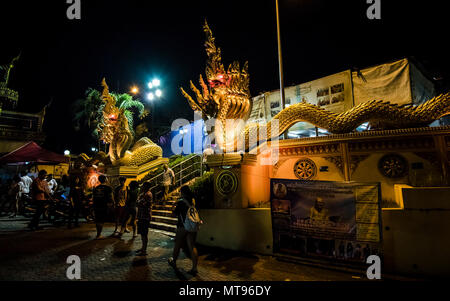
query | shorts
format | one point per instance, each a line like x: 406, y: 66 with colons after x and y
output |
x: 100, y: 215
x: 143, y: 226
x: 119, y: 212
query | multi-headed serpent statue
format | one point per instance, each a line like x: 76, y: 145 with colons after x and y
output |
x: 114, y: 129
x: 227, y: 97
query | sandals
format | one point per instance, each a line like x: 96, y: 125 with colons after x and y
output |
x: 172, y: 263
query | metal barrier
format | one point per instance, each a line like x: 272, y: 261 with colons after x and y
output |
x: 182, y: 176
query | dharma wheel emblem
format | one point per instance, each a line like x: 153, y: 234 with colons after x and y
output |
x: 305, y: 169
x: 393, y: 166
x: 226, y: 182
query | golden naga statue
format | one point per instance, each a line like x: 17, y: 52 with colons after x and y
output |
x: 114, y: 129
x: 227, y: 96
x: 382, y: 115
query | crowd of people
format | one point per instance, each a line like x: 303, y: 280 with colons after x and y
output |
x: 133, y: 207
x: 130, y: 204
x: 14, y: 192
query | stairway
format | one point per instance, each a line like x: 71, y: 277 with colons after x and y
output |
x: 162, y: 218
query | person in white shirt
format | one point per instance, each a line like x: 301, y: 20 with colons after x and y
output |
x: 168, y: 179
x: 207, y: 152
x: 52, y: 184
x: 27, y: 181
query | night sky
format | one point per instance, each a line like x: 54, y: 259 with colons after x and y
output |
x: 130, y: 42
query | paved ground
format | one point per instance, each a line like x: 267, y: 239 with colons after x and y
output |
x: 42, y: 254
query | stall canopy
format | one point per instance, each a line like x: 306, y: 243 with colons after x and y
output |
x: 32, y: 152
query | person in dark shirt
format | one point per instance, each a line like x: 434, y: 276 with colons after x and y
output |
x: 144, y: 215
x: 130, y: 208
x: 182, y: 236
x: 76, y: 196
x: 102, y: 196
x: 120, y: 197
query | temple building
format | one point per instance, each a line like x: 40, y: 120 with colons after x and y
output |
x: 16, y: 128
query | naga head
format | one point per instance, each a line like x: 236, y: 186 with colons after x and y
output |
x: 225, y: 95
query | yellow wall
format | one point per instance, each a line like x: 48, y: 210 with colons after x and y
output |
x: 416, y: 238
x: 256, y: 182
x: 237, y: 229
x: 56, y: 170
x: 368, y: 171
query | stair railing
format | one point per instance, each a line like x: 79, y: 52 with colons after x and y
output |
x: 181, y: 177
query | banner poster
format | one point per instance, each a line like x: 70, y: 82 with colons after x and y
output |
x: 273, y: 101
x: 387, y: 82
x: 258, y: 111
x: 332, y: 93
x: 334, y: 220
x: 422, y: 89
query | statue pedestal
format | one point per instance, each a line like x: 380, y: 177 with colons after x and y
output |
x: 132, y: 173
x: 239, y: 182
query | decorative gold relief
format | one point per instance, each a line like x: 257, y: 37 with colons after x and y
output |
x: 337, y: 161
x: 305, y: 169
x: 355, y: 160
x: 393, y: 166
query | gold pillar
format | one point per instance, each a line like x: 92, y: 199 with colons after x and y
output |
x: 345, y: 159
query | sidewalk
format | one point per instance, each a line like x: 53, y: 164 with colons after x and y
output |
x: 42, y: 254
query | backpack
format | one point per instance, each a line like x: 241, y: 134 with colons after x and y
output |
x: 192, y: 221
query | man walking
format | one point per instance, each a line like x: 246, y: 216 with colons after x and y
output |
x: 40, y: 194
x: 120, y: 197
x: 27, y: 181
x: 76, y: 196
x: 168, y: 179
x: 102, y: 196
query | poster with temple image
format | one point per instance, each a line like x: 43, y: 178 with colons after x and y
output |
x: 318, y: 218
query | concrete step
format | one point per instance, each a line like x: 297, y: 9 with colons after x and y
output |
x: 159, y: 202
x: 169, y: 201
x: 165, y: 213
x: 165, y: 220
x: 163, y: 227
x: 164, y: 207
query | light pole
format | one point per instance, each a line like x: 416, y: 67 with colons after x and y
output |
x: 153, y: 92
x: 280, y: 62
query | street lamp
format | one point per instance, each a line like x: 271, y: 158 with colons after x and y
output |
x: 151, y: 95
x: 135, y: 90
x: 280, y: 62
x: 155, y: 82
x: 67, y: 152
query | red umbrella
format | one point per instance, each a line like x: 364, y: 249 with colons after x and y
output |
x: 32, y: 152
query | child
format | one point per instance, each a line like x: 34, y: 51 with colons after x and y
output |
x: 144, y: 215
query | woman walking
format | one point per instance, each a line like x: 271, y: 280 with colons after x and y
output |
x: 183, y: 236
x: 144, y: 215
x: 130, y: 208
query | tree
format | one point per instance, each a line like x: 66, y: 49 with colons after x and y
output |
x: 88, y: 111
